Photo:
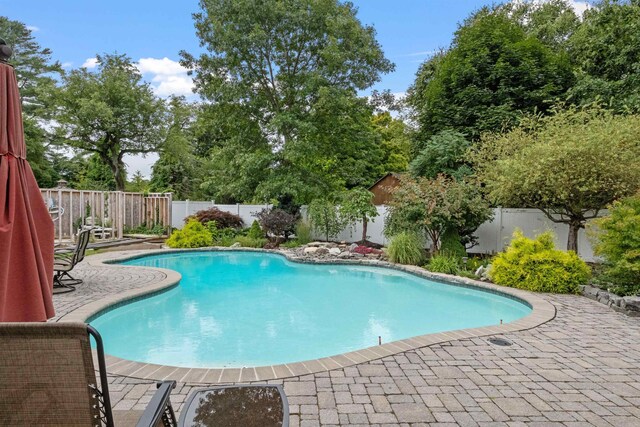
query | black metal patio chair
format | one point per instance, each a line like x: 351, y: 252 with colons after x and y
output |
x: 47, y: 378
x: 65, y: 260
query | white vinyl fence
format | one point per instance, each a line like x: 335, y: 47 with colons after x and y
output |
x: 493, y: 236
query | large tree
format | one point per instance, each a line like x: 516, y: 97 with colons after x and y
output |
x: 279, y: 64
x: 179, y: 170
x: 110, y: 112
x: 570, y: 165
x: 443, y: 153
x: 395, y: 141
x: 552, y: 22
x: 606, y: 49
x: 492, y: 73
x: 36, y: 73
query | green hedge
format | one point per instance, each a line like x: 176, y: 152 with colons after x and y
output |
x: 535, y: 265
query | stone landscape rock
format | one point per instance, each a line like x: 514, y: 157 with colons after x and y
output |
x: 631, y: 304
x: 236, y: 245
x: 591, y: 292
x: 311, y: 250
x: 335, y: 251
x: 352, y: 247
x: 603, y: 297
x: 322, y: 251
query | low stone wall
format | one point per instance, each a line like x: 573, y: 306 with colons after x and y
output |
x: 629, y: 305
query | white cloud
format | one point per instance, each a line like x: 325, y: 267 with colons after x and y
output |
x: 164, y: 66
x: 90, y: 63
x: 68, y: 64
x: 167, y: 77
x: 33, y: 28
x: 423, y: 53
x: 579, y: 7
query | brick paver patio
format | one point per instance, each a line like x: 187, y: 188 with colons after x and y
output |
x: 580, y: 369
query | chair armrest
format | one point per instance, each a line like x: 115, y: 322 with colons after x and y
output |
x: 159, y: 406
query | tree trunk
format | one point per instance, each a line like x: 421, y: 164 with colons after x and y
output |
x: 572, y: 240
x: 364, y: 229
x: 117, y: 166
x: 120, y: 181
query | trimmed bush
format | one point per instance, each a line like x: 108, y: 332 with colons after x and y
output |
x: 447, y: 264
x: 617, y: 240
x: 192, y: 235
x: 535, y: 265
x: 223, y: 219
x: 406, y: 248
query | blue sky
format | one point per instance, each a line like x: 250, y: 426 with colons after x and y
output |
x: 79, y: 29
x: 153, y: 32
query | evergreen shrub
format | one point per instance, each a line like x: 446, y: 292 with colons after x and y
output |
x: 535, y: 265
x: 192, y: 235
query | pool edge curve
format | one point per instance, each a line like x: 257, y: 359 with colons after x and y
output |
x: 542, y: 311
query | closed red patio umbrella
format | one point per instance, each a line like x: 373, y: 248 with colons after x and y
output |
x: 26, y: 228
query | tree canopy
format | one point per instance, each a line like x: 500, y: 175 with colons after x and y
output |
x: 290, y: 70
x: 606, y: 50
x: 178, y: 170
x: 492, y: 73
x: 36, y: 72
x: 111, y: 113
x: 570, y: 165
x: 444, y: 153
x: 433, y: 207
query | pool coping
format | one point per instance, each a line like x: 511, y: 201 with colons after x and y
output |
x: 542, y: 312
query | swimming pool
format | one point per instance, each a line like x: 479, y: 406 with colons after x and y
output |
x: 235, y: 308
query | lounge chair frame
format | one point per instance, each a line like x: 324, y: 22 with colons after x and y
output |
x: 65, y: 261
x: 35, y: 397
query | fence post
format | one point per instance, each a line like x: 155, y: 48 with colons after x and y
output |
x: 170, y: 214
x: 186, y: 208
x: 499, y: 245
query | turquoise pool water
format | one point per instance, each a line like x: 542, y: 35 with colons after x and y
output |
x: 250, y: 309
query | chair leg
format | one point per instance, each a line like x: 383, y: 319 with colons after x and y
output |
x: 69, y: 280
x: 59, y: 286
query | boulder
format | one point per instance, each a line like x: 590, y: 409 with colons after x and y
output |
x: 335, y: 251
x: 236, y: 245
x: 310, y: 250
x: 631, y: 304
x: 352, y: 247
x: 344, y: 255
x: 614, y: 300
x: 315, y: 244
x: 603, y: 297
x: 591, y: 292
x: 322, y: 251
